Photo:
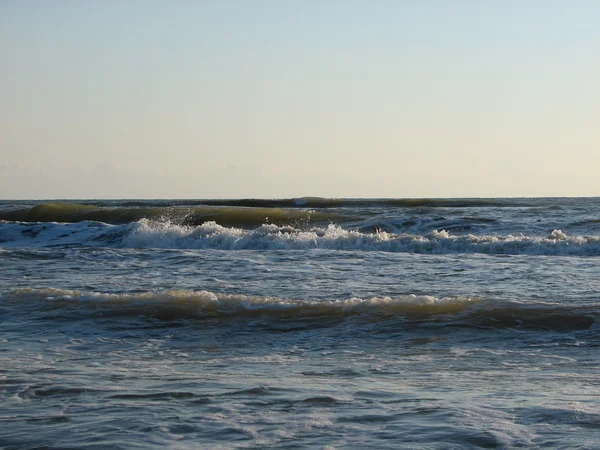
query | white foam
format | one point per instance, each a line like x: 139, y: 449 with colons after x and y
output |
x: 558, y: 235
x: 210, y: 235
x: 145, y: 234
x: 226, y: 304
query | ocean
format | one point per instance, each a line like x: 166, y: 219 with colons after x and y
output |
x: 300, y: 323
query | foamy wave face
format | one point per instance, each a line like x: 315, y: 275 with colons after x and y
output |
x: 184, y: 304
x: 210, y: 304
x: 149, y: 234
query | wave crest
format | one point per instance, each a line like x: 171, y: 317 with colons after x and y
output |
x: 184, y: 304
x: 212, y: 235
x: 186, y: 215
x: 147, y: 233
x: 213, y: 304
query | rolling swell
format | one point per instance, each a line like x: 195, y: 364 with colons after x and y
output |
x: 224, y: 215
x: 185, y: 304
x: 318, y: 202
x: 123, y: 211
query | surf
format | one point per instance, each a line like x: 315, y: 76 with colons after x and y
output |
x: 161, y: 234
x: 169, y: 305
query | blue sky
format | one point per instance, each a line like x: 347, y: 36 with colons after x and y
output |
x: 200, y: 99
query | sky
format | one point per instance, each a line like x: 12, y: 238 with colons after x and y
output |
x: 278, y: 99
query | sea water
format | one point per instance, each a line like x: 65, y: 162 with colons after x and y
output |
x: 300, y: 323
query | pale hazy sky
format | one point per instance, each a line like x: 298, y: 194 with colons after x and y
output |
x: 249, y: 98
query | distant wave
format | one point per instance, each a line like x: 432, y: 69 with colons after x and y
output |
x: 210, y: 235
x: 238, y: 212
x: 318, y: 202
x: 175, y: 305
x: 196, y: 215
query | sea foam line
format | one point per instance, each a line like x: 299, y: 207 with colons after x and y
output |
x: 217, y: 304
x: 149, y: 234
x: 187, y: 304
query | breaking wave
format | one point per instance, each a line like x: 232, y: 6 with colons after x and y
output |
x: 210, y: 235
x: 185, y: 304
x: 271, y: 237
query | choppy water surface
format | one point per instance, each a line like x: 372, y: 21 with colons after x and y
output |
x: 300, y: 323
